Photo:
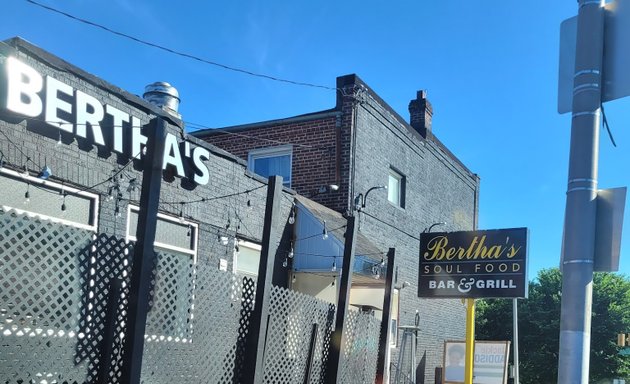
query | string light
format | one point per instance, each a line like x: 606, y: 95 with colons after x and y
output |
x: 292, y: 215
x: 285, y: 263
x: 334, y: 266
x: 333, y: 283
x: 182, y: 220
x: 27, y: 194
x: 324, y: 232
x: 293, y: 279
x: 291, y: 251
x: 59, y: 142
x: 189, y: 233
x: 63, y: 203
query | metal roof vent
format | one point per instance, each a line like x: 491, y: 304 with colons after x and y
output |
x: 164, y: 96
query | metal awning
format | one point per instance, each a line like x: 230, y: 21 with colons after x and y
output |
x: 313, y: 253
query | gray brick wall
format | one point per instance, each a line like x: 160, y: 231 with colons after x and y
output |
x: 438, y: 189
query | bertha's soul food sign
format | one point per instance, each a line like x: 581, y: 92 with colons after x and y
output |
x: 473, y: 264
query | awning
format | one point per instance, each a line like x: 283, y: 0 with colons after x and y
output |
x: 315, y: 254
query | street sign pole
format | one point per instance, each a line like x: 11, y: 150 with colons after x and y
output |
x: 580, y: 214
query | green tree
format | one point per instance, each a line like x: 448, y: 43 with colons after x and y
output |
x: 539, y: 326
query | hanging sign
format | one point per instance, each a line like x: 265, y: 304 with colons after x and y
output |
x: 473, y: 264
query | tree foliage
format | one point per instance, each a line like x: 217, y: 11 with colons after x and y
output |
x: 539, y: 326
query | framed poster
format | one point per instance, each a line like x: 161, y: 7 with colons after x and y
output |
x: 490, y: 367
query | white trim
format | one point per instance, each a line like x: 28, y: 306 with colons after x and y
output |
x: 47, y: 184
x: 399, y: 178
x: 195, y: 233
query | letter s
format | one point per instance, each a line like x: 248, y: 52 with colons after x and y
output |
x: 199, y: 155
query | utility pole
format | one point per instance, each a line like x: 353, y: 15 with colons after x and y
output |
x: 580, y: 214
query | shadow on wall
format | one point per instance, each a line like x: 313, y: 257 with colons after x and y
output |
x: 421, y: 368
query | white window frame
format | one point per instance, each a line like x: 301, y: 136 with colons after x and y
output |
x: 51, y: 185
x: 400, y: 178
x: 173, y: 219
x: 246, y: 244
x: 262, y: 153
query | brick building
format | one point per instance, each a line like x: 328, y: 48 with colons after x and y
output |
x: 340, y: 158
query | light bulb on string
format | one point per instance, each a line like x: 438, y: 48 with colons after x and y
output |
x: 334, y: 266
x: 25, y: 170
x: 291, y: 251
x: 292, y: 215
x: 182, y: 220
x: 293, y: 279
x: 110, y: 193
x: 63, y: 203
x: 285, y: 263
x: 189, y: 233
x: 59, y: 142
x: 27, y: 194
x: 376, y: 272
x: 333, y: 283
x: 324, y: 232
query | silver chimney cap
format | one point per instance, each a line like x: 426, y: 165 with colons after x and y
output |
x: 163, y: 95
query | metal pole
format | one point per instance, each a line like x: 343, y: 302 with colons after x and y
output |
x: 515, y: 338
x: 579, y: 226
x: 470, y: 341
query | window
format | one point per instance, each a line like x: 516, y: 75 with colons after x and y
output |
x: 44, y: 198
x: 272, y: 161
x: 247, y: 258
x: 171, y: 313
x: 396, y: 188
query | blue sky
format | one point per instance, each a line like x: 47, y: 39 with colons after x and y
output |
x: 490, y: 69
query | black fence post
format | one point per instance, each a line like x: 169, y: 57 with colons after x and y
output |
x: 383, y: 346
x: 268, y: 274
x: 311, y: 353
x: 144, y: 256
x: 337, y: 340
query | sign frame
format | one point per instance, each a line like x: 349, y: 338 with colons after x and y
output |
x: 474, y: 264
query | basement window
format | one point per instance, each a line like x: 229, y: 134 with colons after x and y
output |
x: 272, y: 161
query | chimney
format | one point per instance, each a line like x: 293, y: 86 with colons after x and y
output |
x: 421, y: 113
x: 163, y: 95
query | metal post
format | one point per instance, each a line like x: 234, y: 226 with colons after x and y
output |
x: 515, y: 338
x: 470, y: 341
x: 579, y: 226
x: 337, y: 339
x: 144, y: 256
x: 267, y: 276
x: 383, y: 342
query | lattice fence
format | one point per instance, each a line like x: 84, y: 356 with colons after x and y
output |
x: 216, y: 324
x: 63, y: 305
x: 55, y: 291
x: 290, y: 330
x: 360, y: 350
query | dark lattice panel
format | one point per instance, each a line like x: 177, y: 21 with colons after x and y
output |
x: 40, y: 293
x: 169, y: 316
x: 292, y: 315
x: 360, y: 350
x: 219, y: 322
